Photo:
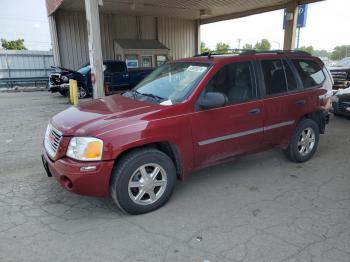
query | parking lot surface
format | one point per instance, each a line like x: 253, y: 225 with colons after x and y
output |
x: 257, y: 208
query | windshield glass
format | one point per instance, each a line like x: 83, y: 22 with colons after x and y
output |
x: 344, y: 62
x: 84, y: 70
x: 172, y: 82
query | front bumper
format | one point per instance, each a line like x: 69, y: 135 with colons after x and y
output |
x: 56, y: 88
x: 341, y: 108
x: 68, y: 173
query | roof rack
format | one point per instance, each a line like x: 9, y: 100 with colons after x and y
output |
x: 209, y: 54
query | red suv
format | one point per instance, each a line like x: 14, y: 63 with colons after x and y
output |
x: 184, y: 116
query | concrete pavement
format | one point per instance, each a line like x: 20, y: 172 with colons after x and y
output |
x: 256, y: 208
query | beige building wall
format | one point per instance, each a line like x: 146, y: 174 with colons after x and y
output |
x: 177, y: 34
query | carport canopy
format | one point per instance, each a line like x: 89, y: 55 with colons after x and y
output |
x: 202, y: 11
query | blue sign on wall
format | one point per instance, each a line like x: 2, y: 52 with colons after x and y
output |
x: 302, y: 16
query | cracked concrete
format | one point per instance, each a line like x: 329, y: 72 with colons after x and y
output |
x: 257, y: 208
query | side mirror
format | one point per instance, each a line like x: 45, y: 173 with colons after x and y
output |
x: 212, y: 100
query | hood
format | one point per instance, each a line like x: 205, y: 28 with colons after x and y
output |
x: 64, y: 70
x: 100, y: 115
x: 345, y: 91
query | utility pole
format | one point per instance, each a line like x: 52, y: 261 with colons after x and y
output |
x: 239, y: 42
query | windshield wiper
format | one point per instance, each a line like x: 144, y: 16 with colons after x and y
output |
x: 158, y: 98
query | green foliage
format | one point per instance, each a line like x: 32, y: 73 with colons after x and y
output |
x: 204, y: 48
x: 310, y: 49
x: 13, y: 45
x: 222, y: 47
x: 248, y: 47
x: 263, y: 45
x: 339, y: 52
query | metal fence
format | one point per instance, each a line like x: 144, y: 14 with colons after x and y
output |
x: 23, y: 67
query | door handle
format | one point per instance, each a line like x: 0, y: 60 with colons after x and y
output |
x: 254, y: 111
x: 301, y: 102
x: 125, y: 75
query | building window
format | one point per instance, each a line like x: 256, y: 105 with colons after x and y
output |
x: 161, y: 59
x: 132, y: 61
x: 146, y: 61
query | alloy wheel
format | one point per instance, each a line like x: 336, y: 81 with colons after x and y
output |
x: 147, y: 184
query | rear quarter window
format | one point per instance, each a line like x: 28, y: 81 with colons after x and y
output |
x: 310, y: 72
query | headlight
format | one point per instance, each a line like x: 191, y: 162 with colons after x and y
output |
x: 335, y: 99
x: 85, y: 148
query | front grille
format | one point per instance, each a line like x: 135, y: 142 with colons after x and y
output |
x: 52, y: 140
x: 342, y: 106
x: 339, y: 75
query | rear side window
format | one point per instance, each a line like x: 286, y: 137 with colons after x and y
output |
x: 115, y: 67
x: 309, y: 71
x: 236, y: 81
x: 275, y: 80
x: 291, y: 81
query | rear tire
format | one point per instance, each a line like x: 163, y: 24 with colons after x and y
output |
x: 304, y: 141
x: 142, y: 181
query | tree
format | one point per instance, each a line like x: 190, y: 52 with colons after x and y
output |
x: 204, y: 48
x: 340, y: 52
x: 322, y: 53
x: 13, y: 45
x: 222, y: 47
x: 248, y: 47
x: 310, y: 49
x: 263, y: 45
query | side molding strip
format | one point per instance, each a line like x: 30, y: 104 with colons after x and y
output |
x: 244, y: 133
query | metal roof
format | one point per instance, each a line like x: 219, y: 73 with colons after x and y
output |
x: 140, y: 44
x: 207, y: 11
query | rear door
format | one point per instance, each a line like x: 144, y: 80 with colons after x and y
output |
x: 285, y: 100
x: 116, y: 76
x: 236, y: 128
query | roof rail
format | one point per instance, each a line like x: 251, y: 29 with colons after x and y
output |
x: 209, y: 54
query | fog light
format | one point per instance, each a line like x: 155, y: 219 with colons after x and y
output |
x: 347, y: 109
x: 88, y: 168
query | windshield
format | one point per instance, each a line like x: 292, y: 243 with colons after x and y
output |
x: 172, y: 82
x: 344, y: 62
x: 84, y: 70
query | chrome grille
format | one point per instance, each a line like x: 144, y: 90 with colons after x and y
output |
x: 52, y: 140
x: 339, y: 75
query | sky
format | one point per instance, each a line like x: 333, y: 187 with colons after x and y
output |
x: 327, y: 26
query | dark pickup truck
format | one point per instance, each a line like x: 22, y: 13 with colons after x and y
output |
x: 117, y: 77
x: 341, y: 74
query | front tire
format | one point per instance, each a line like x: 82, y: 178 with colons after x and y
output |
x: 63, y: 92
x: 304, y: 142
x: 142, y: 181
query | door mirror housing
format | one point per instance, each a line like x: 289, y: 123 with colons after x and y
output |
x: 212, y: 100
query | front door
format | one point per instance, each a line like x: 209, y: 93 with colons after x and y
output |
x: 236, y: 128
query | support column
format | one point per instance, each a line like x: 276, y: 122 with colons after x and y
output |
x: 95, y: 50
x: 291, y: 26
x: 198, y: 37
x: 54, y: 40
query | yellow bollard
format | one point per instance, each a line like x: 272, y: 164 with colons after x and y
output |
x: 73, y: 92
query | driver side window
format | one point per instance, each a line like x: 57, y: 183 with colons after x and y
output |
x: 235, y: 81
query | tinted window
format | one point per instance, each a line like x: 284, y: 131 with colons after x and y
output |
x: 291, y: 81
x: 115, y: 67
x: 310, y: 72
x: 235, y: 81
x: 275, y: 81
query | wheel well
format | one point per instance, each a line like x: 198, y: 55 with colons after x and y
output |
x: 319, y: 118
x: 166, y: 147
